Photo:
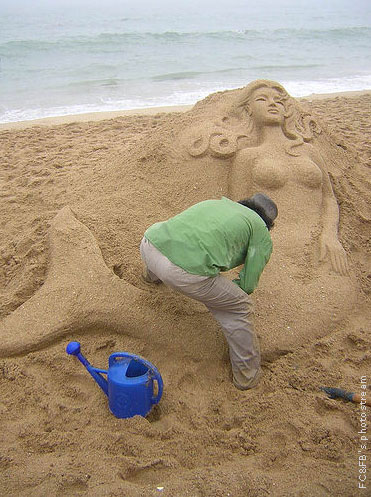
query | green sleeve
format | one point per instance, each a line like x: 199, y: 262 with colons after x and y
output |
x: 257, y: 256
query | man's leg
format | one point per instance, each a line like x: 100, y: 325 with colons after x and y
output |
x: 233, y: 309
x: 234, y: 312
x: 230, y: 306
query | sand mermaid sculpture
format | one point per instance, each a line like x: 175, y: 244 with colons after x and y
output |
x: 264, y: 137
x: 292, y: 170
x: 244, y: 141
x: 309, y: 255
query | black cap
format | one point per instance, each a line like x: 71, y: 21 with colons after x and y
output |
x: 266, y: 206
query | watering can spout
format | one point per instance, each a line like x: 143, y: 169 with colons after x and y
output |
x: 73, y: 348
x: 97, y: 375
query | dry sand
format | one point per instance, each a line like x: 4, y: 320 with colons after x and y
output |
x: 119, y: 174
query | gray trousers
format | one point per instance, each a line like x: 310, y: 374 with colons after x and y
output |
x: 229, y: 305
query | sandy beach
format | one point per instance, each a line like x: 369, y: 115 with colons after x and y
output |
x: 76, y: 194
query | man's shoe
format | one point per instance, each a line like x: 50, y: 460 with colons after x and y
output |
x: 251, y: 384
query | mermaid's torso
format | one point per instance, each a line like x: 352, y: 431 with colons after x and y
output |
x: 296, y: 280
x: 274, y: 171
x: 293, y: 182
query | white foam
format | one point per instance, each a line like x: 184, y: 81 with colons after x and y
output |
x: 183, y: 97
x: 332, y: 85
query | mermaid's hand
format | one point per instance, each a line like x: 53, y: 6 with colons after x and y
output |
x: 331, y: 247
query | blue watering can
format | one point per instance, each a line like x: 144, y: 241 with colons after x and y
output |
x: 130, y: 382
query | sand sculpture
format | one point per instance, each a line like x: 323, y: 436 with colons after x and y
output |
x: 80, y: 295
x: 249, y: 140
x: 270, y: 144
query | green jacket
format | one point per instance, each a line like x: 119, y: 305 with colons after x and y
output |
x: 214, y: 236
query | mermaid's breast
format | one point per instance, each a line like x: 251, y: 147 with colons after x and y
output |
x: 274, y: 174
x: 268, y: 173
x: 307, y: 173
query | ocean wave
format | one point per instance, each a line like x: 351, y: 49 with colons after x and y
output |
x: 93, y: 83
x: 194, y: 74
x: 108, y: 105
x: 176, y: 75
x: 284, y: 67
x: 118, y: 39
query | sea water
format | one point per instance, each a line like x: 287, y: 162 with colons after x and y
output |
x: 60, y: 57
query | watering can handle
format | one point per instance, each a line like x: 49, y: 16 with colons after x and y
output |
x: 151, y: 367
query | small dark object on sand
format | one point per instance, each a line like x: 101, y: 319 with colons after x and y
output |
x: 335, y: 393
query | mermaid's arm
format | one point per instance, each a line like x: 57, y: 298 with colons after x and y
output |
x: 330, y: 246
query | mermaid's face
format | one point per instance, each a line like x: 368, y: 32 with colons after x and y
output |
x: 266, y: 106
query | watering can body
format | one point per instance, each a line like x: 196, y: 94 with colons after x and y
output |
x: 130, y: 385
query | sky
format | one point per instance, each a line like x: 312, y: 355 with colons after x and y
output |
x: 19, y: 5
